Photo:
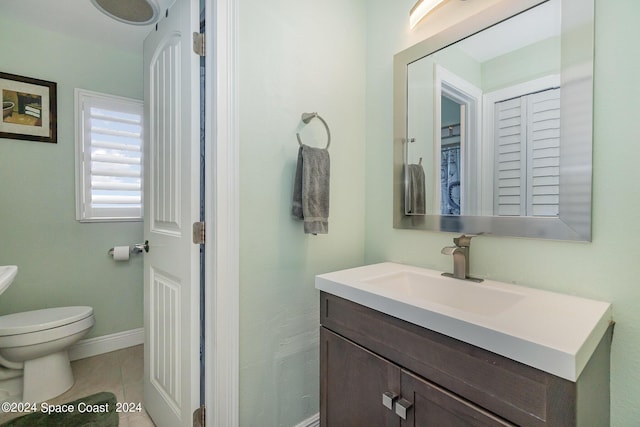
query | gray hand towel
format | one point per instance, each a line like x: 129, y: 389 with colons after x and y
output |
x: 416, y: 189
x: 311, y: 189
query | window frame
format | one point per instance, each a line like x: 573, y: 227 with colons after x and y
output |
x: 84, y: 211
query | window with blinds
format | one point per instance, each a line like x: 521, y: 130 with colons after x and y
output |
x: 109, y: 138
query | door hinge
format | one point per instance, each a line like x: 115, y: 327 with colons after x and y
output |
x: 199, y: 233
x: 198, y: 43
x: 199, y: 419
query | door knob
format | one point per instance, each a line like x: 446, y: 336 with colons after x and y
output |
x: 139, y: 247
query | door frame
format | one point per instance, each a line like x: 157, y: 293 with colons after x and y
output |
x: 469, y: 96
x: 222, y: 259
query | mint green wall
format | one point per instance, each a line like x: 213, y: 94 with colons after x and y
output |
x: 605, y: 269
x: 459, y: 63
x: 531, y: 62
x: 62, y: 262
x: 295, y: 56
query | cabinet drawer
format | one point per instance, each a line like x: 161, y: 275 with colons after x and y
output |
x: 516, y: 392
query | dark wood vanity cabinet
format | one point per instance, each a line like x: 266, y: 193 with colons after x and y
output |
x: 377, y: 370
x: 355, y: 378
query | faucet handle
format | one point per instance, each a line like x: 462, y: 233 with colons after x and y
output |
x: 464, y: 241
x: 449, y: 250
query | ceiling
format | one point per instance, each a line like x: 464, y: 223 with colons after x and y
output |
x: 536, y: 24
x: 76, y: 18
x: 81, y: 19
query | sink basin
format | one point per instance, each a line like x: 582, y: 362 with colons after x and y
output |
x: 7, y: 274
x: 550, y: 331
x: 446, y: 291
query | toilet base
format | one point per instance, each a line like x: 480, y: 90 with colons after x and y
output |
x: 46, y: 377
x: 11, y: 390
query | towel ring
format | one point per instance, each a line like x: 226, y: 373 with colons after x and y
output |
x: 306, y: 118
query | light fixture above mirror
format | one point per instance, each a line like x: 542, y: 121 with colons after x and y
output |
x: 420, y: 10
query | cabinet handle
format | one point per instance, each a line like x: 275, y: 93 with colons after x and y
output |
x: 388, y: 399
x: 402, y: 406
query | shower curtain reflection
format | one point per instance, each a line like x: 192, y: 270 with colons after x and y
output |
x: 450, y: 180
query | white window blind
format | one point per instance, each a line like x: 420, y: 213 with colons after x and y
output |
x: 527, y: 180
x: 109, y: 157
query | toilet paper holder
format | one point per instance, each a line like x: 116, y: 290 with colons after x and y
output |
x: 135, y: 249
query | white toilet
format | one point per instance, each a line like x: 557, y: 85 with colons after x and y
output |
x: 34, y: 362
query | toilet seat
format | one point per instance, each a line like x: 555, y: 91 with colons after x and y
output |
x: 41, y: 320
x: 44, y: 325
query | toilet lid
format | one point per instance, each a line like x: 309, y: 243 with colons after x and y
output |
x: 40, y: 320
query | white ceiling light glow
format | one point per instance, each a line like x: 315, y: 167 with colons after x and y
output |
x: 420, y: 10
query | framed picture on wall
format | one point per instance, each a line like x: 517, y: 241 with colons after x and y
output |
x: 28, y: 108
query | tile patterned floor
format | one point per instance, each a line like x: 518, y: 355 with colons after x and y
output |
x: 120, y: 372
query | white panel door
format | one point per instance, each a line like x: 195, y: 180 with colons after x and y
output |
x: 171, y: 176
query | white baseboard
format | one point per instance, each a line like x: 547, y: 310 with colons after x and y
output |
x: 313, y: 421
x: 106, y: 343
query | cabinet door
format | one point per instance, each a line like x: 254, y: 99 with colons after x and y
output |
x: 352, y: 382
x: 434, y: 406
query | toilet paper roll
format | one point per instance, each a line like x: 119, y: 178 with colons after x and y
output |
x: 121, y: 253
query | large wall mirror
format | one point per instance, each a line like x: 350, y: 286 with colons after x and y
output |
x: 493, y: 124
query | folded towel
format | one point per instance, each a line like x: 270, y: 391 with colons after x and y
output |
x: 416, y: 190
x: 311, y: 189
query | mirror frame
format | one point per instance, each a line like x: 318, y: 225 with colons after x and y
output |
x: 576, y: 113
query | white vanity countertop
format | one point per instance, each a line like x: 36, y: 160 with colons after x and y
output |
x: 549, y: 331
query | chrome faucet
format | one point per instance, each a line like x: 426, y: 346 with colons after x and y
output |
x: 460, y: 254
